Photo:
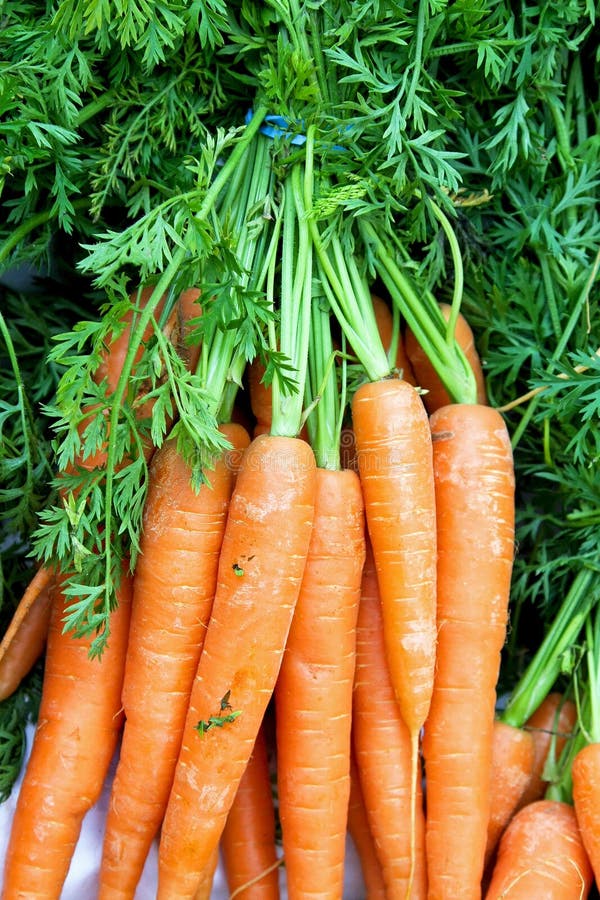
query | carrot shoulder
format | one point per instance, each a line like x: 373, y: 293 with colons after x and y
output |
x: 78, y: 727
x: 474, y: 482
x: 173, y: 591
x: 585, y: 772
x: 541, y: 855
x: 313, y: 694
x: 260, y: 570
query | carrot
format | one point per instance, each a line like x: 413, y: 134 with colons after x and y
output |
x: 25, y: 638
x: 362, y: 838
x: 474, y: 482
x: 261, y: 396
x: 250, y: 860
x: 260, y: 569
x: 204, y: 888
x: 313, y: 695
x: 541, y: 855
x: 78, y: 726
x: 425, y: 374
x: 394, y: 451
x: 550, y: 727
x: 513, y: 755
x: 585, y: 772
x: 173, y: 590
x: 383, y: 751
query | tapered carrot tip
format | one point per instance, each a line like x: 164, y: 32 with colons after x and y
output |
x: 541, y: 855
x: 585, y: 772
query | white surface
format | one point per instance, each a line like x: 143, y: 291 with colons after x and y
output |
x: 81, y: 882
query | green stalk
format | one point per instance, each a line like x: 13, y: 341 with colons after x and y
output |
x: 350, y: 300
x: 546, y: 665
x: 29, y: 225
x: 326, y: 407
x: 295, y: 303
x: 427, y: 323
x: 161, y: 287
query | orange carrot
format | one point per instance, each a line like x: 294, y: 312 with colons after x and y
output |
x: 474, y: 481
x: 541, y: 855
x: 204, y: 888
x: 173, y: 590
x: 250, y: 860
x: 25, y: 638
x: 260, y: 570
x: 394, y: 450
x: 513, y: 756
x: 313, y: 695
x: 585, y: 772
x: 425, y: 374
x: 78, y: 726
x: 382, y: 748
x: 362, y: 837
x: 550, y: 726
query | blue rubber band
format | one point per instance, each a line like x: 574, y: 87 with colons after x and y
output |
x: 278, y: 127
x: 274, y: 126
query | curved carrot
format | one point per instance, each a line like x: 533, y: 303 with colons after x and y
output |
x: 313, y: 694
x: 25, y: 638
x: 394, y: 449
x: 250, y: 860
x: 260, y: 570
x: 550, y: 727
x: 362, y: 838
x: 513, y: 755
x: 425, y: 374
x: 585, y: 772
x: 382, y: 748
x: 541, y: 855
x: 474, y: 483
x: 78, y: 726
x: 173, y: 590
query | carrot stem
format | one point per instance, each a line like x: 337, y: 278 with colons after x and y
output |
x: 545, y: 667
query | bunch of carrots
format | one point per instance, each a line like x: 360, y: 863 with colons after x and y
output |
x: 327, y: 605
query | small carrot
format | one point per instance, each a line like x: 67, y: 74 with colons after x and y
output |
x: 474, y: 483
x: 248, y: 849
x: 383, y: 752
x: 79, y: 721
x: 173, y: 590
x: 362, y: 837
x: 550, y: 727
x: 25, y: 638
x: 260, y: 570
x: 541, y: 854
x: 425, y: 374
x: 313, y: 694
x: 513, y: 755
